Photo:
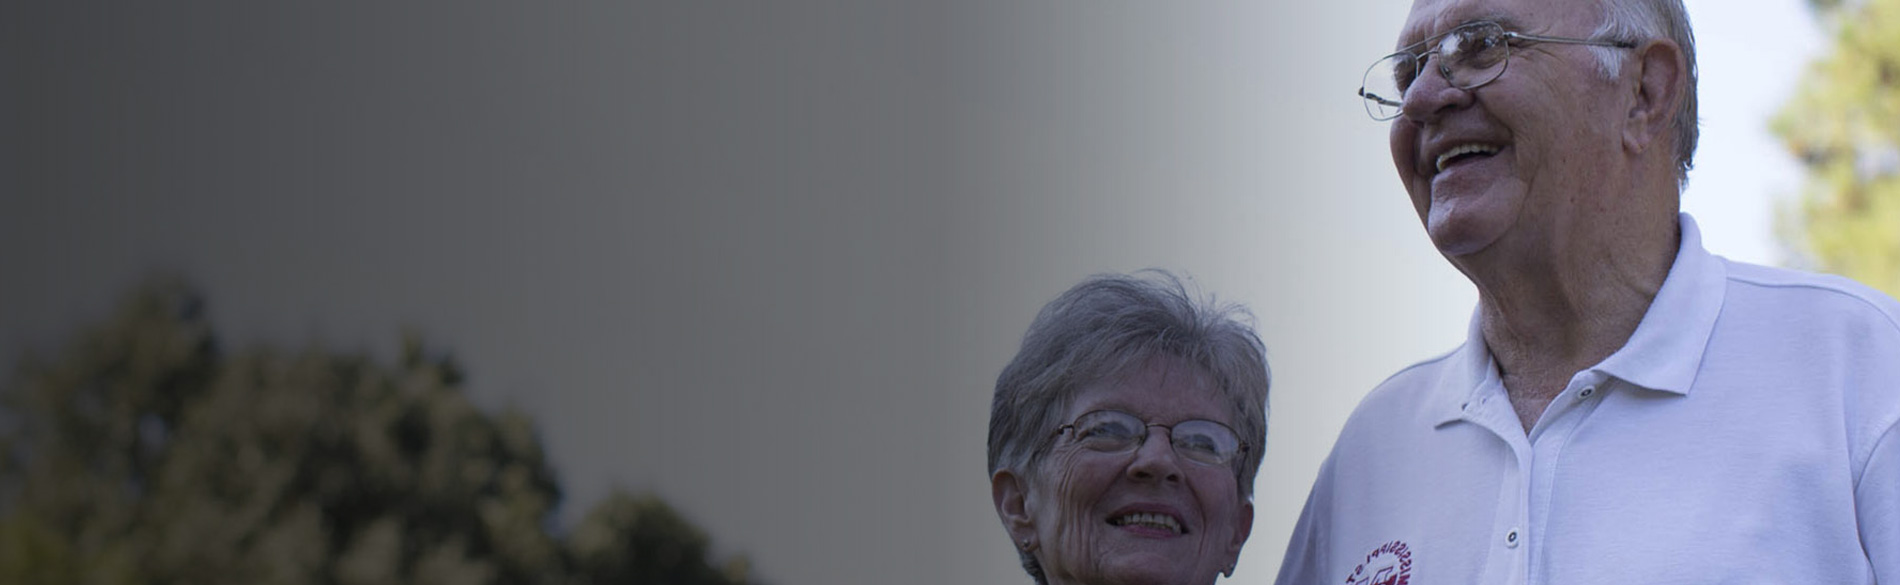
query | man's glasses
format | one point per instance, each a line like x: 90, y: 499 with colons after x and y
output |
x: 1201, y: 441
x: 1467, y: 57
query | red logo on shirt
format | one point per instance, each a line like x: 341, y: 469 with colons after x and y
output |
x: 1390, y: 564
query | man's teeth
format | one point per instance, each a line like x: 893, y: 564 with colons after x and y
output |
x: 1462, y: 150
x: 1151, y: 520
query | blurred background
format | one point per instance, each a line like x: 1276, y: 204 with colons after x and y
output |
x: 705, y: 293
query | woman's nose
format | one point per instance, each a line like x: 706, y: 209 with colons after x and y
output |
x: 1155, y: 459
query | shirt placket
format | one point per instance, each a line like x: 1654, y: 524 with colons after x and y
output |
x: 1490, y: 409
x: 1525, y: 485
x: 1552, y: 433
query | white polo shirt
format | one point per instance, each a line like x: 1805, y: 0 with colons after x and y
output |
x: 1745, y: 434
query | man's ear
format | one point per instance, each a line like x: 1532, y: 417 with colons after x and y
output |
x: 1662, y: 83
x: 1012, y: 506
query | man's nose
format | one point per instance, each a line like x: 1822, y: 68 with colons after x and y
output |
x: 1432, y: 94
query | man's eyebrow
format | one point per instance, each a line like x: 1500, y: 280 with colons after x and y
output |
x: 1503, y: 20
x: 1409, y: 38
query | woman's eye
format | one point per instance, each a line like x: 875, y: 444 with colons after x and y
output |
x: 1109, y: 430
x: 1199, y: 443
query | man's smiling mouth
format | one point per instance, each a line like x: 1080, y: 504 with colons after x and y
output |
x: 1463, y: 152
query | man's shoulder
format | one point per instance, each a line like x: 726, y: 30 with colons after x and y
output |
x: 1408, y: 393
x: 1810, y: 295
x: 1411, y: 381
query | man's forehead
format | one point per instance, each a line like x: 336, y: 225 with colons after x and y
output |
x: 1433, y: 17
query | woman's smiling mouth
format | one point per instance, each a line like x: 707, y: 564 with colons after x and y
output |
x: 1150, y: 521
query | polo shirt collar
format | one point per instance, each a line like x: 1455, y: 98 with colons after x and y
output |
x: 1666, y: 351
x: 1466, y: 372
x: 1663, y: 354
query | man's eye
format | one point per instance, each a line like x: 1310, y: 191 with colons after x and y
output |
x: 1484, y: 44
x: 1482, y: 52
x: 1404, y: 73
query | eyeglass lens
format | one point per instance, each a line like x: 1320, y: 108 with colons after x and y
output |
x: 1467, y: 57
x: 1201, y: 441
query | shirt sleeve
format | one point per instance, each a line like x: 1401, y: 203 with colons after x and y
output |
x: 1877, y: 505
x: 1306, y: 553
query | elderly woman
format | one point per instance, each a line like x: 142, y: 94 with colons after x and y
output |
x: 1125, y: 435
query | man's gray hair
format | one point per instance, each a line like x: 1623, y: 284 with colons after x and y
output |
x: 1101, y: 328
x: 1637, y: 20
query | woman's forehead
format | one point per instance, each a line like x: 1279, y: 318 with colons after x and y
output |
x: 1158, y: 384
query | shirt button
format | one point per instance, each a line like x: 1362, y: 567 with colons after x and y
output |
x: 1510, y: 539
x: 1587, y: 391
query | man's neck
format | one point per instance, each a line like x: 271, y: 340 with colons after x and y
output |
x: 1549, y: 317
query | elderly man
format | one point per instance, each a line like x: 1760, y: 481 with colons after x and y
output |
x: 1627, y: 407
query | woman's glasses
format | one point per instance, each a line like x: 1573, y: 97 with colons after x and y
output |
x: 1111, y: 431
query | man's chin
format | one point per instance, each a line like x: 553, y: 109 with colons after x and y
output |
x: 1466, y: 222
x: 1456, y: 239
x: 1460, y: 248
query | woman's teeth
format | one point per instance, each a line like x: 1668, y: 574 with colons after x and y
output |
x: 1148, y: 519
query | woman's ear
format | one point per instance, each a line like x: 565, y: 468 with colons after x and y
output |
x: 1012, y: 506
x: 1243, y: 527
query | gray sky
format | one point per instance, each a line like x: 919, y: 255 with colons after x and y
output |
x: 766, y: 260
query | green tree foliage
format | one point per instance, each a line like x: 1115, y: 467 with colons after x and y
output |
x: 629, y: 539
x: 148, y: 454
x: 1844, y: 125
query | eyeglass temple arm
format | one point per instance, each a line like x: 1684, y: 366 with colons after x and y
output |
x: 1567, y: 41
x: 1378, y: 98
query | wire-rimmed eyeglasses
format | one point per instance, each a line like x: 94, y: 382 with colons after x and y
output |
x: 1468, y: 57
x: 1112, y: 431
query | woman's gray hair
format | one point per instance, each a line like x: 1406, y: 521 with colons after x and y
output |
x: 1104, y: 326
x: 1637, y: 20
